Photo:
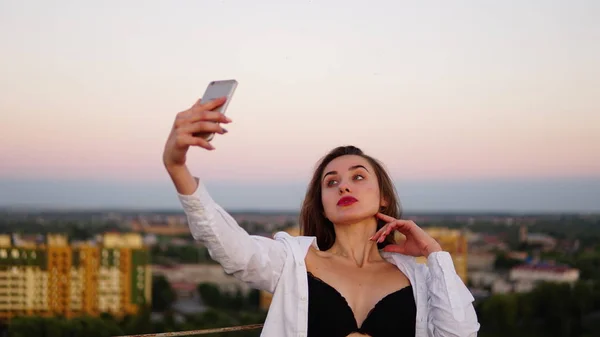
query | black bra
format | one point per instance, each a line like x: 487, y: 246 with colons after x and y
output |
x: 329, y: 314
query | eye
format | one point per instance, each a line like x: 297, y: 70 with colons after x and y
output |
x: 331, y: 182
x: 359, y: 177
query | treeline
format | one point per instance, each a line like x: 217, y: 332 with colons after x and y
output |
x: 140, y: 324
x: 75, y: 230
x: 174, y: 254
x: 572, y: 227
x: 215, y: 298
x: 163, y: 297
x: 550, y: 310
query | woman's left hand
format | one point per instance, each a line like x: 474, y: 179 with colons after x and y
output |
x: 417, y: 243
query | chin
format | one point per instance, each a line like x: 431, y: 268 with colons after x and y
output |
x: 348, y: 215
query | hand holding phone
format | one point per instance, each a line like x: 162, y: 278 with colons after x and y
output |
x: 196, y: 126
x: 217, y: 89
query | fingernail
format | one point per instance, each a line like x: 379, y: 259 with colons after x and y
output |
x: 228, y: 119
x: 225, y: 130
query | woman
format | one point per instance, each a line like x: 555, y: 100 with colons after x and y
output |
x: 333, y: 280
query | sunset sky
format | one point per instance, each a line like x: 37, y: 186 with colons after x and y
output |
x: 470, y: 104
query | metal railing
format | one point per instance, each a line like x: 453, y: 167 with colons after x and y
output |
x: 199, y: 332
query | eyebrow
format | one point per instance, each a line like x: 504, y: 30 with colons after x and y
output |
x: 349, y: 169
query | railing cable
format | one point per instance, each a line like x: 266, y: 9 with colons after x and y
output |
x: 199, y: 332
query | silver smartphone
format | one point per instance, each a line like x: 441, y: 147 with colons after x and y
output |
x: 214, y: 90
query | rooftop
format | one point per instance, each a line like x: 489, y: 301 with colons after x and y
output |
x: 544, y: 267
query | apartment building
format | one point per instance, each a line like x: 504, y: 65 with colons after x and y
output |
x: 526, y: 277
x: 56, y: 278
x: 453, y: 241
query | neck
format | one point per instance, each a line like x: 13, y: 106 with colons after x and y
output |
x: 352, y: 242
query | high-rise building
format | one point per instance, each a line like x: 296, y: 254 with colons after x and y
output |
x: 453, y: 241
x: 58, y: 278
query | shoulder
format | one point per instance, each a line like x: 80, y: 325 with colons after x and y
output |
x: 437, y: 263
x: 400, y: 259
x: 407, y: 264
x: 298, y: 244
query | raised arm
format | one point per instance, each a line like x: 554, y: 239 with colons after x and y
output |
x: 255, y: 260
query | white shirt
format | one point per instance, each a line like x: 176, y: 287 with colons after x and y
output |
x: 444, y: 304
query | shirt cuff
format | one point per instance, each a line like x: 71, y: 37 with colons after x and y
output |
x: 440, y: 263
x: 444, y: 274
x: 200, y: 197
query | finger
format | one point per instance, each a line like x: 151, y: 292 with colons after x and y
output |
x: 378, y: 233
x: 402, y: 226
x: 389, y: 228
x: 202, y: 127
x: 210, y: 105
x: 202, y: 115
x: 385, y: 218
x: 405, y: 223
x: 386, y: 230
x: 201, y: 142
x: 394, y: 249
x: 394, y: 226
x: 189, y: 140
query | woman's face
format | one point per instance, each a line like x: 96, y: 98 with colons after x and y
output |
x: 350, y: 190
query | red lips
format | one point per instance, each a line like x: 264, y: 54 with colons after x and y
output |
x: 346, y: 201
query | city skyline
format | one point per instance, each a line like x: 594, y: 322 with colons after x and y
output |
x: 465, y: 103
x: 504, y: 196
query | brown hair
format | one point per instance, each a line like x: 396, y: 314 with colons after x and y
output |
x: 312, y: 219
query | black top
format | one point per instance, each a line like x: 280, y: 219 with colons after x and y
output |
x: 329, y: 314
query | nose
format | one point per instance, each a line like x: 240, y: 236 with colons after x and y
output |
x: 344, y: 189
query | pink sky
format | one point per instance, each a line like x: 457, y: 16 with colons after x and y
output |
x: 444, y: 96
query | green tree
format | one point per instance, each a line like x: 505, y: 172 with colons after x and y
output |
x: 59, y: 327
x: 163, y: 294
x: 211, y: 295
x: 504, y: 262
x: 214, y: 318
x: 253, y: 299
x: 26, y: 326
x: 138, y: 324
x: 500, y: 313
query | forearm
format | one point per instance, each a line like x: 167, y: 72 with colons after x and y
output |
x: 252, y: 259
x: 183, y: 180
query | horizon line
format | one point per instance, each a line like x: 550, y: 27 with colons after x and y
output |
x: 58, y: 209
